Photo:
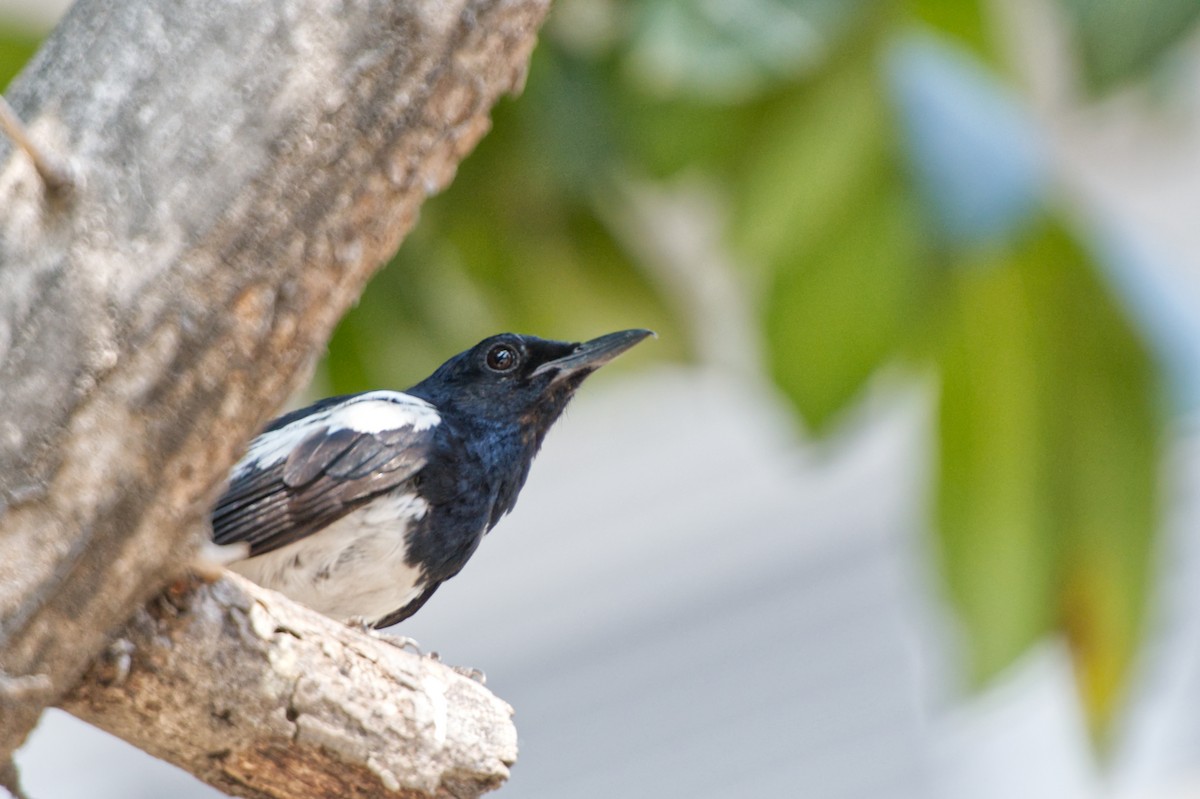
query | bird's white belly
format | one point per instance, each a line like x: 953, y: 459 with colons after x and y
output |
x: 355, y: 567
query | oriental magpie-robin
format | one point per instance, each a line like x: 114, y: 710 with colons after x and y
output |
x: 360, y: 506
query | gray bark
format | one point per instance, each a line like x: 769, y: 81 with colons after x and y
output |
x: 241, y: 169
x: 260, y: 697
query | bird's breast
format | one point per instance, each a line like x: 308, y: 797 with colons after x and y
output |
x: 358, y: 566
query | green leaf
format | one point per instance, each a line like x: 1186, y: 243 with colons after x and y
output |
x: 812, y: 157
x: 995, y: 527
x: 1119, y: 40
x: 824, y: 207
x: 564, y: 126
x: 964, y: 20
x: 16, y: 48
x: 831, y: 322
x: 723, y: 52
x: 663, y: 136
x: 1049, y: 444
x: 1104, y: 449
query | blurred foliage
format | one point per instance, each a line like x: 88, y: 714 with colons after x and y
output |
x: 838, y: 182
x: 833, y: 220
x: 1118, y: 40
x: 967, y: 21
x: 516, y: 243
x: 16, y: 47
x: 711, y: 50
x: 1049, y: 427
x: 1049, y: 438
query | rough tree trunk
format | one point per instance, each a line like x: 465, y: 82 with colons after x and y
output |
x: 241, y: 169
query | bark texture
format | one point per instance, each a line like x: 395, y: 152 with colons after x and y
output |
x: 241, y: 169
x: 260, y: 697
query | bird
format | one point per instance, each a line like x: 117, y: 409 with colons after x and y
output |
x: 360, y: 506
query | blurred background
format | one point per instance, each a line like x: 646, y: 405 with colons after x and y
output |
x: 904, y: 500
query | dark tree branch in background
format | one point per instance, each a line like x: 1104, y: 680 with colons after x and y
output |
x: 239, y: 171
x: 263, y: 698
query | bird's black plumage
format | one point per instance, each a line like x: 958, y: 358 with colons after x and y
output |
x: 362, y: 505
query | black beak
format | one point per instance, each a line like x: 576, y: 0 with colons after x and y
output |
x: 591, y: 355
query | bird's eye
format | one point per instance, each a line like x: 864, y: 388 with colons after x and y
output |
x: 501, y: 358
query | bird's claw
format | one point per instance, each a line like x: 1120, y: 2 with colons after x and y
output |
x: 398, y: 641
x: 361, y: 624
x: 470, y: 672
x: 401, y: 642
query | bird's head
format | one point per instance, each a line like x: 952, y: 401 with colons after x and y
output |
x: 520, y: 380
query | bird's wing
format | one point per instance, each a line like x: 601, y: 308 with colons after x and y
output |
x: 319, y: 464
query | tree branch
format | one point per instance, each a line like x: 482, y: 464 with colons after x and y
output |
x: 260, y: 697
x: 240, y: 171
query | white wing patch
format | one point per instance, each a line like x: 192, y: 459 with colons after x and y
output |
x: 356, y: 566
x: 377, y: 411
x: 372, y: 412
